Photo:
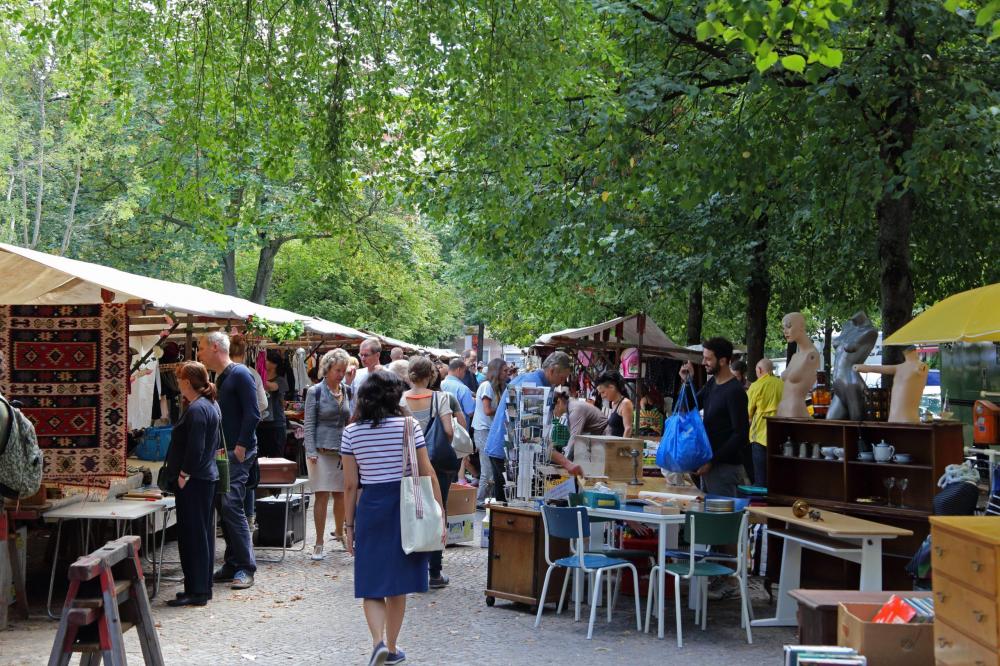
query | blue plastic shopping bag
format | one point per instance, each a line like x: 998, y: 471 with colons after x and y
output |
x: 684, y: 446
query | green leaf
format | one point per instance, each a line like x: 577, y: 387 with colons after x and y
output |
x: 985, y: 15
x: 831, y: 57
x: 705, y: 30
x: 951, y: 5
x: 794, y: 63
x: 765, y: 61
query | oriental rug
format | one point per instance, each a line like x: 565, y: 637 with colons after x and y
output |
x: 68, y: 365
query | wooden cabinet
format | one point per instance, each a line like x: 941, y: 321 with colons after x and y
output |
x: 965, y: 552
x: 837, y: 485
x: 516, y: 559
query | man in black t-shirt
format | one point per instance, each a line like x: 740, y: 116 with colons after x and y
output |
x: 724, y: 405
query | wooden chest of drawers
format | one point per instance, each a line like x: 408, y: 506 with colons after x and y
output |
x: 516, y: 566
x: 965, y: 556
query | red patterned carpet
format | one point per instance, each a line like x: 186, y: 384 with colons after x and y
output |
x: 68, y: 365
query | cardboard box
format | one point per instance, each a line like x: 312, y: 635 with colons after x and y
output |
x: 461, y: 500
x: 461, y: 528
x: 884, y: 644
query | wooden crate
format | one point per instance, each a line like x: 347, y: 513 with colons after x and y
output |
x: 610, y: 457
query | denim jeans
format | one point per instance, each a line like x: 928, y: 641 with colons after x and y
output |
x: 759, y: 455
x: 235, y: 530
x: 445, y: 479
x: 485, y: 468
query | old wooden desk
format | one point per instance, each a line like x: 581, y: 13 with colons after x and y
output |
x: 846, y: 537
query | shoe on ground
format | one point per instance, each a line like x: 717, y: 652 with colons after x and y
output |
x: 379, y: 655
x: 223, y: 574
x: 724, y: 592
x: 189, y: 600
x: 436, y: 583
x: 317, y: 553
x: 242, y: 580
x: 395, y: 658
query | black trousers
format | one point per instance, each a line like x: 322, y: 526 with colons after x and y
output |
x: 445, y: 479
x: 271, y: 440
x: 499, y: 484
x: 196, y: 535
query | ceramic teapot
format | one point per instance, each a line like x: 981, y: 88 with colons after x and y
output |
x: 884, y: 451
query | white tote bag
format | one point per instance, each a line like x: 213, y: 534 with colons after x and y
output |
x: 421, y: 520
x: 461, y: 441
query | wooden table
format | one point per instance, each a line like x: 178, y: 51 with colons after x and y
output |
x: 852, y: 539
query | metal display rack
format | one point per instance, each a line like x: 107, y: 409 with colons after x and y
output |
x: 528, y: 421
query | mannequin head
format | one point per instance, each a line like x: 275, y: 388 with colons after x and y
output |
x: 793, y: 325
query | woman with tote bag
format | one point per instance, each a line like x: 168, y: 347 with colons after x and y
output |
x: 372, y: 449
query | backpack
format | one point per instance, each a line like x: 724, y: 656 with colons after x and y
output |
x: 20, y: 455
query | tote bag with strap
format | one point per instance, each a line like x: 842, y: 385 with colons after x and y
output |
x: 684, y: 446
x: 421, y: 520
x: 439, y: 448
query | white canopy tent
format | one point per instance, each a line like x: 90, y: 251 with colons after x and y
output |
x: 636, y: 330
x: 35, y: 278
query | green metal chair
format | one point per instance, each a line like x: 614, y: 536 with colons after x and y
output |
x: 707, y: 529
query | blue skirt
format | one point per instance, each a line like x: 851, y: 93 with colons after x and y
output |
x: 381, y: 568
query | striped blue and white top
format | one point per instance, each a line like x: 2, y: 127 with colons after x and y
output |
x: 379, y: 451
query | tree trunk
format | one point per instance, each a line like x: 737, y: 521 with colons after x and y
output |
x: 828, y: 348
x: 24, y: 201
x: 229, y: 285
x: 36, y: 230
x: 696, y: 313
x: 894, y: 212
x: 68, y: 232
x: 265, y: 270
x: 758, y: 296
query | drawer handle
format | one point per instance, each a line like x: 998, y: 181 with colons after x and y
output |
x: 941, y: 596
x: 510, y: 521
x: 979, y: 615
x: 943, y: 642
x: 939, y: 550
x: 976, y: 566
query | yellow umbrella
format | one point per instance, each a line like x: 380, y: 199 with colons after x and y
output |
x: 970, y: 316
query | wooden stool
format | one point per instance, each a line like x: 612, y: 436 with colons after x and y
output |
x: 94, y: 624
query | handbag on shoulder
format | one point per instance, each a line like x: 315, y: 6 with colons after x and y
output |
x: 421, y: 520
x: 439, y: 448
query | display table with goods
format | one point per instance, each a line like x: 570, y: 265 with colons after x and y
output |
x: 965, y: 560
x: 884, y: 472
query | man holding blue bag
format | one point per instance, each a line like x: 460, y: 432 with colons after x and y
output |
x: 725, y: 419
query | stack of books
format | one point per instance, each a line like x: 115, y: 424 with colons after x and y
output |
x: 822, y: 655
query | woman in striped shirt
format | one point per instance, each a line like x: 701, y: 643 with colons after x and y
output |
x: 372, y: 452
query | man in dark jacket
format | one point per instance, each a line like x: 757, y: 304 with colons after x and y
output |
x: 469, y: 377
x: 240, y: 416
x: 724, y: 405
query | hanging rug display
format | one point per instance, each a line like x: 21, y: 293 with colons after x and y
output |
x: 68, y: 365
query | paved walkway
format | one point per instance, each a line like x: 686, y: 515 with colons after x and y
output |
x: 304, y: 612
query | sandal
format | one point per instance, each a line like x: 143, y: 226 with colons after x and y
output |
x: 317, y: 553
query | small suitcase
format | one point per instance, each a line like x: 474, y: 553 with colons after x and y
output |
x: 277, y: 470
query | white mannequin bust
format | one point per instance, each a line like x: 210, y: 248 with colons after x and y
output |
x: 800, y: 375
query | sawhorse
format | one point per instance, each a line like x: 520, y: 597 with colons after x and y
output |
x: 95, y: 624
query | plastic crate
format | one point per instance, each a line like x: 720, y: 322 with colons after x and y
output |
x: 154, y: 444
x: 596, y: 500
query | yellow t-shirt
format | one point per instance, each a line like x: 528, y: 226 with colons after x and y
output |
x: 763, y: 398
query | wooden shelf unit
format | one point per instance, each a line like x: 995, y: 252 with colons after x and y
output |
x: 835, y: 485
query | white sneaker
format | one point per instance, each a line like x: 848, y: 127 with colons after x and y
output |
x: 317, y: 552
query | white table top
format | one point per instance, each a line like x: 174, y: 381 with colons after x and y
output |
x: 112, y: 510
x: 301, y: 481
x: 636, y: 514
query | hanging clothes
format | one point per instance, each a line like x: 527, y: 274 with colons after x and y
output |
x: 144, y: 381
x: 299, y: 371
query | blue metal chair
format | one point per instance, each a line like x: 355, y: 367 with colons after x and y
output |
x: 572, y: 524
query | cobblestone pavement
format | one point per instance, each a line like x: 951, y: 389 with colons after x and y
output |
x: 304, y: 612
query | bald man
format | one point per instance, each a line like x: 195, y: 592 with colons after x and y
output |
x: 763, y: 398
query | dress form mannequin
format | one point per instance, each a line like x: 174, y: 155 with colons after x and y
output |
x: 800, y: 375
x: 857, y: 338
x: 907, y: 387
